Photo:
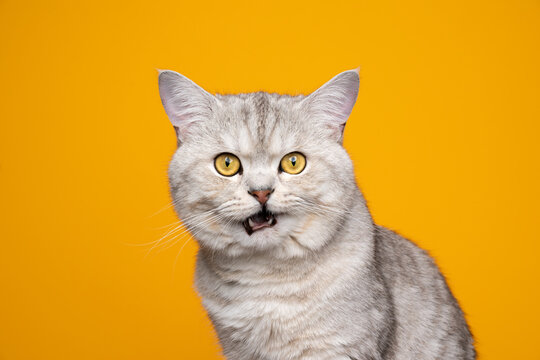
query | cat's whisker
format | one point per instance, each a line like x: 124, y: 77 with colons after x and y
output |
x: 315, y: 209
x: 167, y: 226
x: 171, y: 242
x: 184, y: 228
x: 169, y: 205
x: 328, y: 209
x: 158, y: 242
x: 161, y: 210
x: 179, y: 224
x: 181, y: 227
x: 179, y: 236
x: 191, y: 237
x: 163, y: 236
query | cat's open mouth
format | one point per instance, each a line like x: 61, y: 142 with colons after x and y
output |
x: 260, y: 220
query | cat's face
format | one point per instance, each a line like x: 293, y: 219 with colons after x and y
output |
x: 260, y: 172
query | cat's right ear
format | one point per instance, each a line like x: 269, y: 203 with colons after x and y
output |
x: 184, y: 101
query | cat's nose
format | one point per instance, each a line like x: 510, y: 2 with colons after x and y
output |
x: 261, y: 195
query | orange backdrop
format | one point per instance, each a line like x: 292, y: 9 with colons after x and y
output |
x: 444, y: 138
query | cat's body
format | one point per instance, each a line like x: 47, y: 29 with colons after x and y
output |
x: 382, y: 300
x: 290, y: 264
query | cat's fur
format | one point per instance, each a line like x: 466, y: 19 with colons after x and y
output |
x: 325, y: 282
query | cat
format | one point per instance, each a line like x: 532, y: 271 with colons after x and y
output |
x: 290, y: 263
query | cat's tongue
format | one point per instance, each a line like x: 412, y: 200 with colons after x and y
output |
x: 259, y: 221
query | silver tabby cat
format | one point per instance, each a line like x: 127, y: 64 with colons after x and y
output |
x: 290, y: 264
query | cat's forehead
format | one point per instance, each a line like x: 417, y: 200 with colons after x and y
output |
x: 259, y: 122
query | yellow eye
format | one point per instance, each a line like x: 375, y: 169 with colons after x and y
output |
x: 293, y: 163
x: 227, y: 164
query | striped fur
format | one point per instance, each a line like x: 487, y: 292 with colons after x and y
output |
x: 325, y: 282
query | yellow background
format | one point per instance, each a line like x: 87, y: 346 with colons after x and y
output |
x: 444, y: 137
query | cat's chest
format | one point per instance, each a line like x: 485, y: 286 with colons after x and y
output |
x: 281, y: 314
x: 279, y: 320
x: 263, y: 307
x: 271, y: 321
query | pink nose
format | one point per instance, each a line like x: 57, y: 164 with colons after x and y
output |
x: 261, y: 195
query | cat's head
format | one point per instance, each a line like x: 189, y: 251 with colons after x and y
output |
x: 261, y: 172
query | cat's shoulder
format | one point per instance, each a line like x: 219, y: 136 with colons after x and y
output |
x: 400, y: 253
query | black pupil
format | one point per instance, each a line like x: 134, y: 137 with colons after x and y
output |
x: 293, y: 160
x: 228, y: 161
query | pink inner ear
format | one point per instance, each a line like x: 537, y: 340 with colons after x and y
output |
x: 181, y: 117
x: 347, y: 107
x: 337, y: 132
x: 184, y: 101
x: 336, y: 109
x: 338, y: 96
x: 182, y: 124
x: 178, y: 111
x: 334, y: 101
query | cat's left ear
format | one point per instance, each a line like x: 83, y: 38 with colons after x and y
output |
x: 333, y: 102
x: 185, y: 102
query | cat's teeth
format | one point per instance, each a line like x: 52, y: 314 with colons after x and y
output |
x: 271, y: 222
x: 251, y: 223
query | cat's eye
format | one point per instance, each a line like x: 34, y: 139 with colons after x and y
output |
x: 293, y: 163
x: 227, y: 164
